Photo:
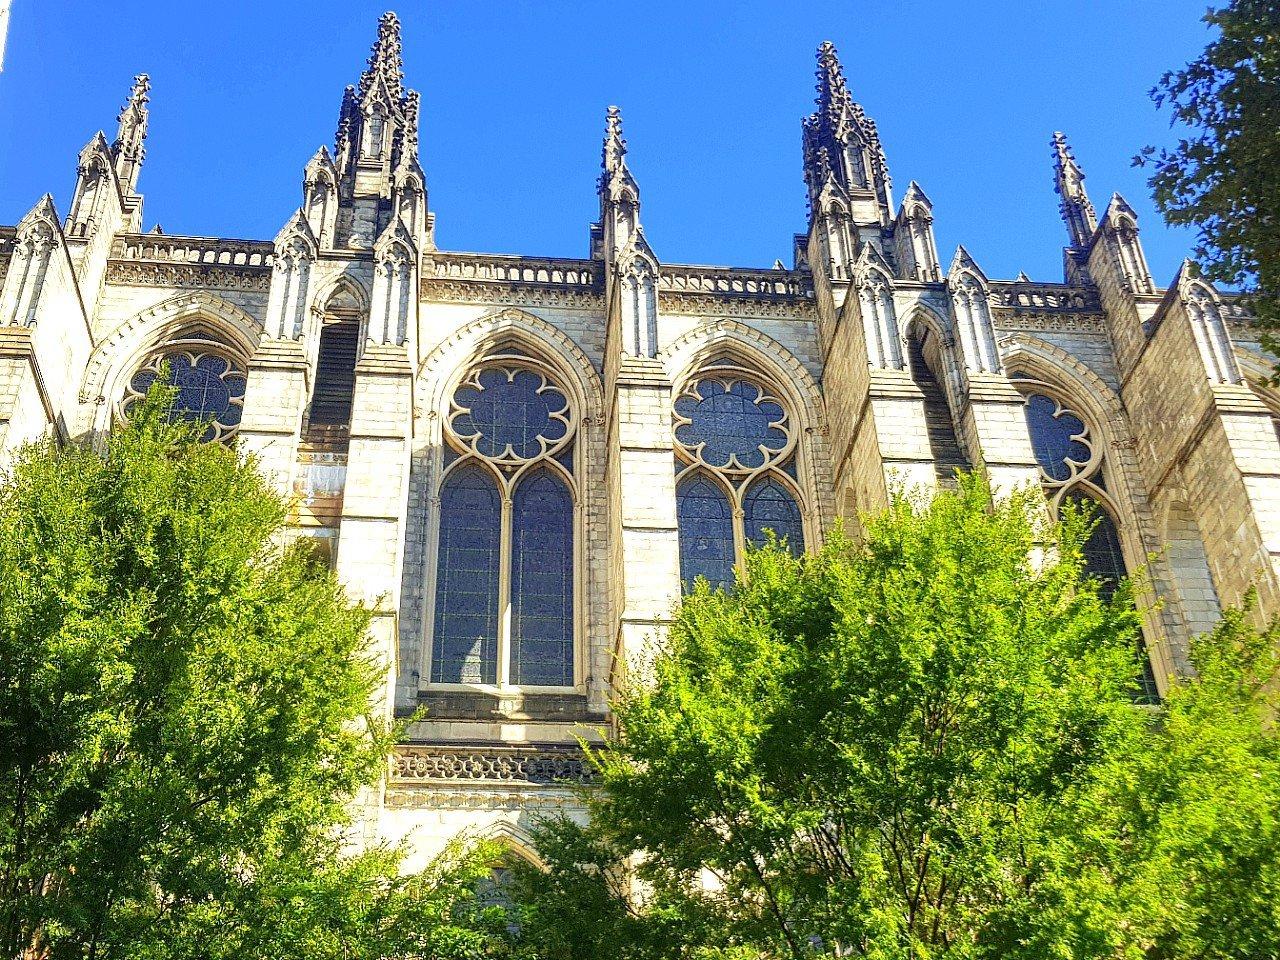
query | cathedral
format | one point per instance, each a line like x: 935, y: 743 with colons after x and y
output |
x: 519, y: 462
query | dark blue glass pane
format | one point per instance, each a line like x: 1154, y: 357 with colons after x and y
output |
x: 731, y: 422
x: 1051, y: 437
x: 1104, y: 560
x: 465, y: 645
x: 769, y: 505
x: 511, y: 407
x: 206, y: 387
x: 706, y: 533
x: 542, y: 582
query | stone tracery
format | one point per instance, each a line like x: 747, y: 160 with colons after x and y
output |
x: 736, y: 475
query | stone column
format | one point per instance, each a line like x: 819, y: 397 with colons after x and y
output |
x: 645, y: 542
x: 375, y: 498
x: 996, y: 424
x: 278, y: 388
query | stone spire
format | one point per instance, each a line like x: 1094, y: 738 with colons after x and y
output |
x: 1077, y: 211
x: 376, y: 150
x: 128, y: 149
x: 841, y: 144
x: 385, y: 65
x: 619, y: 191
x: 615, y: 148
x: 378, y: 119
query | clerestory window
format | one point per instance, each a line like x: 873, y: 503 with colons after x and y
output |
x: 505, y: 564
x: 735, y: 473
x: 1072, y: 470
x: 210, y: 382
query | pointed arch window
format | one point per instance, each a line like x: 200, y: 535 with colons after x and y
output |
x: 1072, y: 470
x: 505, y: 601
x: 210, y: 379
x: 736, y: 470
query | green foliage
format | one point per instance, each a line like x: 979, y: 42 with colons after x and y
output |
x: 924, y: 745
x: 1223, y: 176
x: 184, y: 719
x: 1199, y: 801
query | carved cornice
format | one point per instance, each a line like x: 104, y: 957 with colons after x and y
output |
x: 511, y: 293
x: 543, y: 800
x: 197, y: 276
x: 1010, y: 320
x: 703, y: 305
x: 528, y: 766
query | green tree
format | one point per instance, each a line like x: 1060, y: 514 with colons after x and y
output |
x: 884, y: 750
x: 1198, y: 802
x: 184, y: 722
x: 1223, y: 175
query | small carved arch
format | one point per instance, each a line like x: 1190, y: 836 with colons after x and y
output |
x: 515, y: 841
x: 471, y: 341
x: 125, y: 346
x: 754, y: 350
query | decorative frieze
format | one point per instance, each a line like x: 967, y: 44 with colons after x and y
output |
x: 702, y: 305
x: 198, y: 276
x: 518, y: 765
x: 511, y: 293
x: 538, y: 800
x: 1011, y: 320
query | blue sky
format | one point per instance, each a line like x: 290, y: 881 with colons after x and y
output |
x: 966, y: 94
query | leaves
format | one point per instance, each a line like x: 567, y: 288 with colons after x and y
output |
x: 184, y: 721
x: 923, y: 745
x: 1223, y: 175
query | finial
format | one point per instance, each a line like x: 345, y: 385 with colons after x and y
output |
x: 833, y: 93
x: 140, y: 93
x: 1067, y: 171
x: 615, y: 148
x: 1068, y: 182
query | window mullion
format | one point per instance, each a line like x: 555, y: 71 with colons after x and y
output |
x: 504, y: 593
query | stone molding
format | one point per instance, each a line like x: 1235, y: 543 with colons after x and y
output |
x: 722, y: 305
x: 532, y: 766
x: 418, y: 799
x: 513, y: 293
x: 194, y: 276
x: 1010, y: 320
x: 142, y: 331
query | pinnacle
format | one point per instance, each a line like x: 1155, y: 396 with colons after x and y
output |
x: 615, y: 147
x: 384, y: 58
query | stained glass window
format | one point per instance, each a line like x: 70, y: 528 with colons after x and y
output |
x: 510, y: 413
x: 730, y: 428
x: 210, y: 389
x: 1104, y: 561
x: 518, y: 628
x: 542, y: 582
x: 731, y: 423
x: 1052, y: 437
x: 465, y: 647
x: 706, y: 532
x: 769, y: 505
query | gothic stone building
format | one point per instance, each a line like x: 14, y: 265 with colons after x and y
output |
x: 517, y: 460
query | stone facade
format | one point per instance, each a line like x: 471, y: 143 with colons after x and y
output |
x: 341, y: 347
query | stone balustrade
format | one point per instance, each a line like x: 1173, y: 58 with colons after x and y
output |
x: 208, y: 250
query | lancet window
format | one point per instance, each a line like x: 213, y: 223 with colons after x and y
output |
x: 1072, y: 470
x: 209, y: 379
x: 505, y: 564
x: 736, y: 472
